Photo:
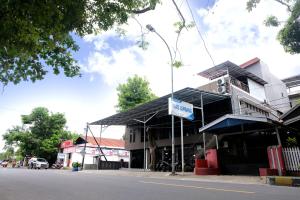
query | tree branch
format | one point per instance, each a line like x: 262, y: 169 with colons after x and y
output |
x: 178, y: 10
x: 179, y: 31
x: 285, y: 4
x: 150, y: 7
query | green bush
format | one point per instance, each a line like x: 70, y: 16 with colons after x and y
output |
x: 76, y: 164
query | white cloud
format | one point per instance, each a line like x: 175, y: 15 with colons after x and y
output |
x: 231, y: 33
x: 235, y: 34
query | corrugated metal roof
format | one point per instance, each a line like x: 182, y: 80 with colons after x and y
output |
x: 292, y: 81
x: 231, y: 121
x: 160, y: 105
x: 232, y: 69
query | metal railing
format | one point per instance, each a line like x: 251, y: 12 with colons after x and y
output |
x: 239, y: 84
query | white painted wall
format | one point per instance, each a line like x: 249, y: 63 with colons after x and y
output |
x: 275, y: 90
x: 256, y: 90
x: 111, y: 155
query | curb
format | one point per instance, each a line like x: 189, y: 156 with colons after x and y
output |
x: 283, y: 181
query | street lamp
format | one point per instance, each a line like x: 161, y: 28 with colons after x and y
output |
x: 150, y: 28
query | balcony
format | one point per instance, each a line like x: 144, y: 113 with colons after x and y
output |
x: 239, y: 84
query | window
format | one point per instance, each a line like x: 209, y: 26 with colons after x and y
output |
x: 130, y: 138
x: 133, y: 137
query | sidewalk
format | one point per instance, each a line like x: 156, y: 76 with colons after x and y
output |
x: 188, y: 176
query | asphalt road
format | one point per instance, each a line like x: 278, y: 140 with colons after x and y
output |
x: 23, y: 184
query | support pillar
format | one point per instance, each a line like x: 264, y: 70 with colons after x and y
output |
x: 204, y: 148
x: 217, y: 142
x: 278, y: 136
x: 144, y: 145
x: 182, y: 147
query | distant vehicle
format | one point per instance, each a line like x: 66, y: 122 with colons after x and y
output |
x: 4, y: 163
x: 38, y: 163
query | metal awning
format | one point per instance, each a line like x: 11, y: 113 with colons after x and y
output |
x: 232, y: 69
x: 232, y: 123
x: 160, y: 105
x: 292, y: 117
x: 291, y: 82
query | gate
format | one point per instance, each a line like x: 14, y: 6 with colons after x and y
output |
x: 291, y: 158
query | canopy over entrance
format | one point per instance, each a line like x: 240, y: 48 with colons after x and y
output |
x: 232, y: 123
x: 292, y: 117
x: 160, y: 107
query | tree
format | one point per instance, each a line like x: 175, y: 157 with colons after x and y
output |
x: 37, y: 34
x: 289, y: 35
x: 135, y: 92
x: 42, y: 137
x: 8, y: 154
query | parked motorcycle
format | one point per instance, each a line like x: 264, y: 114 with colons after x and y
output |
x: 57, y: 166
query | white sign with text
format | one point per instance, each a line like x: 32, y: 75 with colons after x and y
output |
x: 181, y: 109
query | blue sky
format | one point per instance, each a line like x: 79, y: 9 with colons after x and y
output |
x: 230, y: 32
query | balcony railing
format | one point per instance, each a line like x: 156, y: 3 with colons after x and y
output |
x: 239, y: 84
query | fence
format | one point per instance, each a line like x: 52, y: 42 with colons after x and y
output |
x: 291, y: 158
x: 112, y: 165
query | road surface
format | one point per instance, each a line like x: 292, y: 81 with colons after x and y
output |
x: 24, y: 184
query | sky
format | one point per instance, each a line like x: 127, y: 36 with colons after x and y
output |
x: 230, y: 33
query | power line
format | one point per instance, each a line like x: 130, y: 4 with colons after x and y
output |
x: 199, y: 32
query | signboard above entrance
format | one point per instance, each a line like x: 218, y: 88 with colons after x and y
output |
x: 181, y: 109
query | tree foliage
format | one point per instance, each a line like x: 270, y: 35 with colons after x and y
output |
x: 289, y: 35
x: 38, y: 33
x: 7, y: 154
x: 42, y: 137
x: 135, y: 92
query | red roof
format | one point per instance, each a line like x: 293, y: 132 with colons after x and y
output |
x: 106, y: 142
x: 67, y: 143
x: 250, y: 63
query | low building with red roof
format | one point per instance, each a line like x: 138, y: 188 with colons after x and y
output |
x: 73, y: 151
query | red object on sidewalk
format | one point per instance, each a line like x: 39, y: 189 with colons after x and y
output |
x: 210, y: 166
x: 275, y: 157
x: 201, y: 163
x: 212, y: 158
x: 207, y: 171
x: 268, y: 172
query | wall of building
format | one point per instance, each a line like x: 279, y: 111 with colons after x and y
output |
x: 138, y: 144
x: 294, y: 97
x: 245, y: 104
x: 275, y: 90
x: 256, y: 90
x: 76, y: 156
x: 254, y: 106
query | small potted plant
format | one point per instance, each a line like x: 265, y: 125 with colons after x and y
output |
x: 76, y: 166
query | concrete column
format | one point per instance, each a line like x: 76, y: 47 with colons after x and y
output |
x: 278, y: 136
x: 147, y: 158
x: 129, y: 161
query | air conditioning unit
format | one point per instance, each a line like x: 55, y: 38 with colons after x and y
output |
x: 221, y: 81
x: 222, y: 85
x: 222, y: 89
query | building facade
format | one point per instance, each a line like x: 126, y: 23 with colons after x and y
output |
x: 113, y: 149
x: 251, y: 90
x: 293, y: 89
x: 254, y: 90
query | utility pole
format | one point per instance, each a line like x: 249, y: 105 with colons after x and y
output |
x: 150, y: 28
x: 83, y: 152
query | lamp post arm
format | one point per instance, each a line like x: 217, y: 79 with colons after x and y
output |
x: 171, y: 57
